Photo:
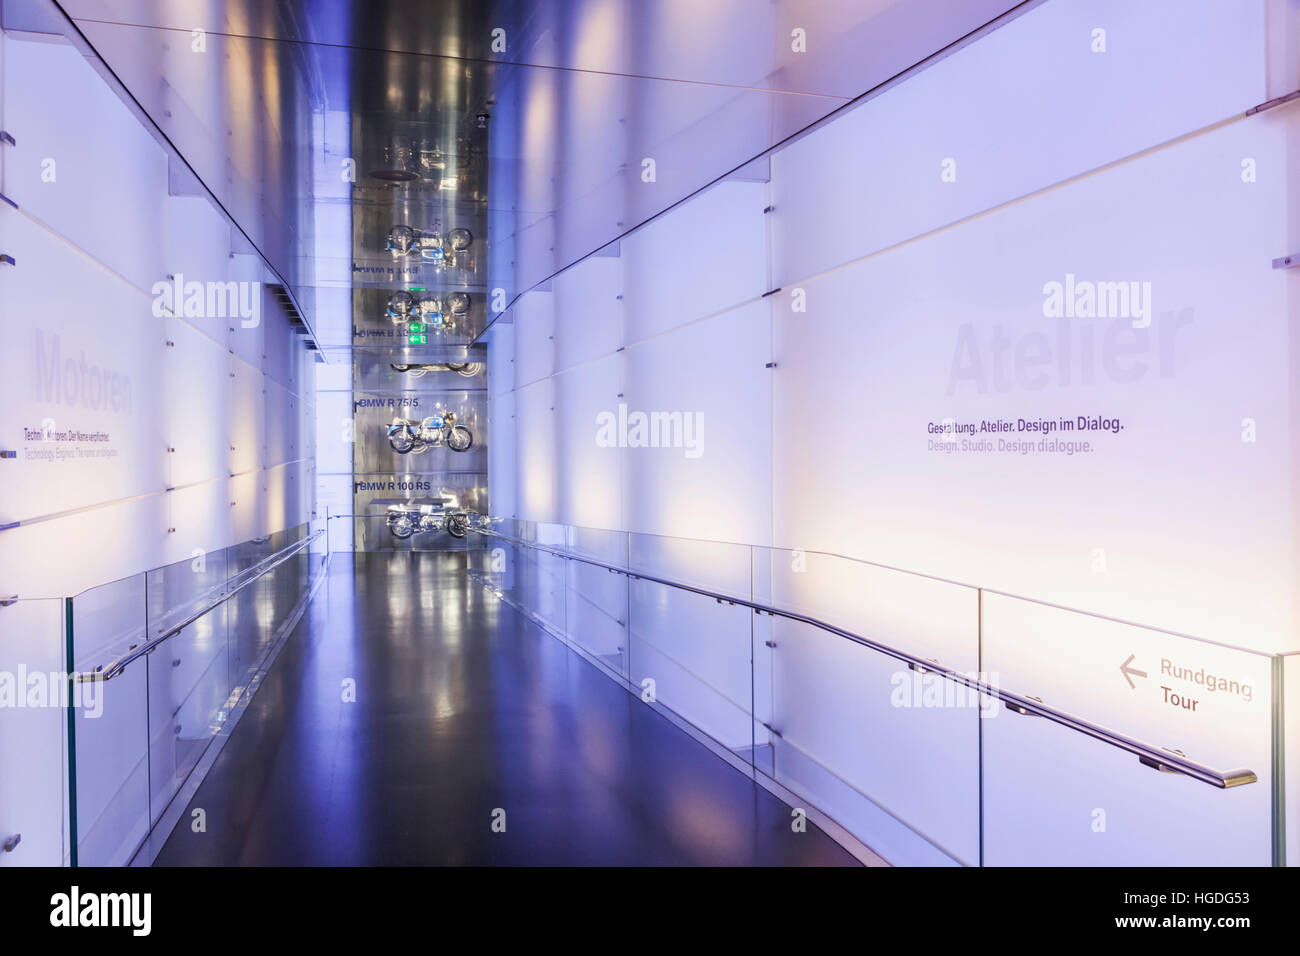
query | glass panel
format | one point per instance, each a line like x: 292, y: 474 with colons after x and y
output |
x: 892, y: 749
x: 890, y: 752
x: 1056, y: 797
x: 178, y: 591
x: 607, y: 547
x: 33, y: 735
x: 111, y: 769
x: 140, y: 732
x: 189, y: 699
x: 596, y: 613
x: 539, y: 586
x: 691, y: 654
x: 927, y: 617
x: 256, y: 615
x: 597, y: 598
x: 712, y: 565
x: 529, y: 580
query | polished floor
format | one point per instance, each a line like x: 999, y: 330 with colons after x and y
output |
x: 413, y: 719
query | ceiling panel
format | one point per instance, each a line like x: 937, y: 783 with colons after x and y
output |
x: 542, y: 149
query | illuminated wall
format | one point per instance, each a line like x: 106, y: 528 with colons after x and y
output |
x: 1027, y: 337
x: 139, y: 428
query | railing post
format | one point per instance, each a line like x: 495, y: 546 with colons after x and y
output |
x: 68, y: 643
x: 1277, y: 667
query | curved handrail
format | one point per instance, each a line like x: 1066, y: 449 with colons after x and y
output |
x: 926, y: 576
x: 116, y: 667
x: 1157, y: 758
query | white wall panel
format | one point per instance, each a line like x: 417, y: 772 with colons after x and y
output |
x: 109, y: 193
x: 698, y: 259
x: 201, y: 515
x: 501, y: 359
x: 197, y: 244
x: 590, y: 485
x: 588, y: 311
x: 66, y: 555
x: 714, y: 372
x: 953, y: 327
x: 536, y: 435
x: 1026, y: 106
x: 248, y: 342
x: 248, y: 505
x: 247, y: 418
x: 283, y: 425
x: 534, y: 355
x: 81, y: 359
x: 196, y: 387
x: 502, y: 468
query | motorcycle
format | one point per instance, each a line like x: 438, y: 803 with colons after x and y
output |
x: 467, y: 369
x: 409, y: 435
x: 433, y: 247
x: 428, y: 308
x: 405, y: 521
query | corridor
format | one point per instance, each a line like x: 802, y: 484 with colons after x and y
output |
x: 463, y: 707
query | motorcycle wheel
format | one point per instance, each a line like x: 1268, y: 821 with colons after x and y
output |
x: 459, y: 438
x: 401, y: 440
x: 456, y: 526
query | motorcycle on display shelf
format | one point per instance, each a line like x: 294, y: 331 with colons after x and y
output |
x: 405, y: 521
x: 467, y: 369
x: 409, y: 435
x: 437, y: 313
x: 435, y: 247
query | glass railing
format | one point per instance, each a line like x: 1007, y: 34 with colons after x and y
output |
x: 939, y: 723
x: 33, y: 732
x: 161, y: 660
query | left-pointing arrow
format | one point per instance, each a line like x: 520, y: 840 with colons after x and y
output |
x: 1131, y: 672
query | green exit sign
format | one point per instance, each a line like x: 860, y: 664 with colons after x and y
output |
x: 418, y: 339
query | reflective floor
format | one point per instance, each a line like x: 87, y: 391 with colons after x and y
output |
x: 414, y: 719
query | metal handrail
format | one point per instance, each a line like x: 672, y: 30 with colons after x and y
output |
x: 1157, y: 758
x: 926, y: 576
x: 117, y: 666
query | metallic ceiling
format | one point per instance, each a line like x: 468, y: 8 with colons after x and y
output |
x: 528, y: 123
